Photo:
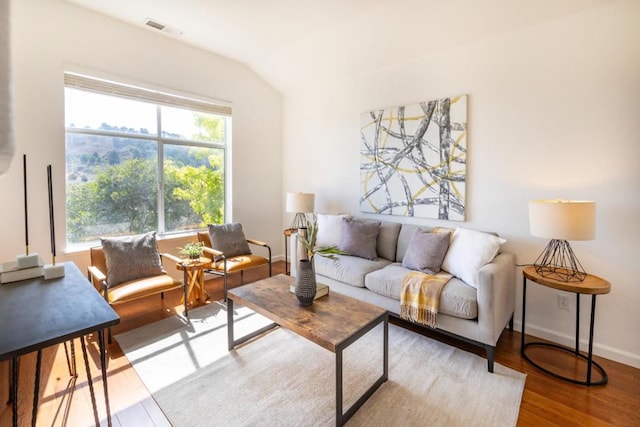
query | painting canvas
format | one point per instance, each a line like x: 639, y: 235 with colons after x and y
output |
x: 413, y: 159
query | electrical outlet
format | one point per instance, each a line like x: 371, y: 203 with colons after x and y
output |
x: 563, y: 302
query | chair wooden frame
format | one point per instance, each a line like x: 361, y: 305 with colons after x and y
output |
x: 235, y: 263
x: 97, y: 276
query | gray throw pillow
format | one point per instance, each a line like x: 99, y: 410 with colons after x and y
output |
x: 426, y: 251
x: 131, y: 257
x: 359, y: 238
x: 229, y: 239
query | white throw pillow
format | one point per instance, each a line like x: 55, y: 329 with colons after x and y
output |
x: 330, y: 229
x: 470, y: 250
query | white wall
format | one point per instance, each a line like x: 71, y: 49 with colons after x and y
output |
x: 50, y: 35
x: 553, y: 112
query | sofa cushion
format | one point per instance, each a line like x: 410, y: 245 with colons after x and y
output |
x: 330, y: 229
x: 131, y: 257
x: 404, y: 238
x: 347, y: 269
x: 359, y: 238
x: 387, y: 242
x: 457, y: 298
x: 470, y: 250
x: 426, y: 251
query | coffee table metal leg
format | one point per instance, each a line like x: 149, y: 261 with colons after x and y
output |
x: 339, y: 417
x: 343, y: 418
x: 230, y: 323
x: 231, y: 340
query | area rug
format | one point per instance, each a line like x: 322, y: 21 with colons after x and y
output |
x: 281, y: 379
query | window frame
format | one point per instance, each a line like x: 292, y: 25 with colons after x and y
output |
x: 159, y: 98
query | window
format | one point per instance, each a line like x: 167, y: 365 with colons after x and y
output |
x: 139, y: 160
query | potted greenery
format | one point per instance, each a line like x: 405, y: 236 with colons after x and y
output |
x: 308, y: 240
x: 305, y: 288
x: 192, y: 250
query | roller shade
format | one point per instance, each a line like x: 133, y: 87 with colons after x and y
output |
x: 107, y: 87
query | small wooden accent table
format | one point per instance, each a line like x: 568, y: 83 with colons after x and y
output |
x: 287, y: 233
x: 592, y: 285
x: 334, y: 322
x: 194, y: 277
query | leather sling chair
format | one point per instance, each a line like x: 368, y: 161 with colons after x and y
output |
x: 133, y: 289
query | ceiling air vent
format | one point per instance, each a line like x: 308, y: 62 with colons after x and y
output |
x: 158, y: 26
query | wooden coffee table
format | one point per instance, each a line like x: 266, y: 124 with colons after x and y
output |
x: 333, y: 322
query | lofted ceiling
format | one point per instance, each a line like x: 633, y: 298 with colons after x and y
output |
x: 291, y: 43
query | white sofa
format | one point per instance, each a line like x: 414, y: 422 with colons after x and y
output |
x: 476, y: 314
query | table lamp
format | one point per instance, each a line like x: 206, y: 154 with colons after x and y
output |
x: 560, y: 221
x: 300, y: 204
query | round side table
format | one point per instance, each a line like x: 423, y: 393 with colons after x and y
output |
x: 591, y: 285
x: 194, y: 277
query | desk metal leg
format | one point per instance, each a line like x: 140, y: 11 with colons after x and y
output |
x: 71, y: 358
x: 90, y: 382
x: 14, y: 388
x: 103, y: 365
x: 36, y: 389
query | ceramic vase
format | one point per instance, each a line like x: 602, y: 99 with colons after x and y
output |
x: 305, y: 283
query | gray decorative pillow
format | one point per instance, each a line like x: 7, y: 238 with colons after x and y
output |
x: 229, y: 239
x: 426, y: 251
x: 359, y: 238
x: 131, y: 257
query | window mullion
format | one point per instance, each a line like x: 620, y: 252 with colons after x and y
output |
x: 161, y: 223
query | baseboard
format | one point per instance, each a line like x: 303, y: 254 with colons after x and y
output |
x: 611, y: 353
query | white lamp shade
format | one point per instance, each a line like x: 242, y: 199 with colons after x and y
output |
x: 6, y: 127
x: 300, y: 202
x: 563, y: 219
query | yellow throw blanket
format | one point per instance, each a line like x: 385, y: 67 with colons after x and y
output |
x: 420, y: 297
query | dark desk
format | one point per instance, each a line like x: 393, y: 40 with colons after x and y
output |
x: 38, y: 313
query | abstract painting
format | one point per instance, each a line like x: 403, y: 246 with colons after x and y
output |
x: 413, y: 159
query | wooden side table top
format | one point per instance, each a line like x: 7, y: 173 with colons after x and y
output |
x: 190, y: 264
x: 592, y: 285
x: 328, y: 322
x: 290, y: 231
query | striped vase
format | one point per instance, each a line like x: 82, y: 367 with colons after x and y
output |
x: 305, y: 283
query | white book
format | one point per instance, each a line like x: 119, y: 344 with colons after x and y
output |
x: 321, y: 290
x: 9, y: 272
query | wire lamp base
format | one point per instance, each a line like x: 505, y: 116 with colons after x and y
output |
x: 560, y: 263
x: 299, y: 221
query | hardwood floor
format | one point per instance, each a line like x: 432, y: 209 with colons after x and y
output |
x: 546, y: 400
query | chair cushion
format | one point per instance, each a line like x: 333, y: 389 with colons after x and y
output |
x: 359, y: 238
x: 131, y: 257
x: 426, y: 251
x: 229, y: 239
x: 129, y: 291
x: 238, y: 263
